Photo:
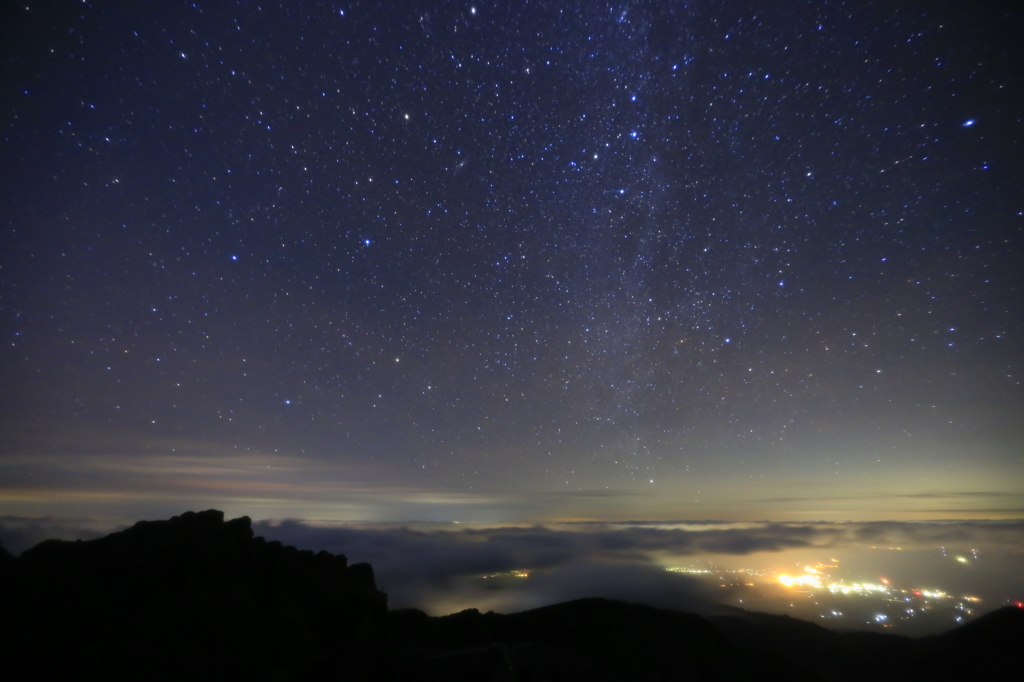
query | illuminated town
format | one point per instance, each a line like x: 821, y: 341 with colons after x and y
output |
x: 816, y: 592
x: 909, y: 591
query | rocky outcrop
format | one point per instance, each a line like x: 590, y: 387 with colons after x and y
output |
x: 195, y: 596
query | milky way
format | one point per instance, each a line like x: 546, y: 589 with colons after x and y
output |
x: 654, y: 258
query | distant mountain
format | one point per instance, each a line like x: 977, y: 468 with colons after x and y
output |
x: 200, y: 598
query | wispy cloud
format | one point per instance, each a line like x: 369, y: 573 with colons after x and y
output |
x: 944, y: 495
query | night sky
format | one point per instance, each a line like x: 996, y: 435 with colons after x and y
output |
x: 512, y: 262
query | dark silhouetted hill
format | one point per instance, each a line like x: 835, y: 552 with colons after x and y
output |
x: 194, y: 597
x: 200, y: 598
x: 587, y: 639
x: 986, y: 648
x: 831, y: 655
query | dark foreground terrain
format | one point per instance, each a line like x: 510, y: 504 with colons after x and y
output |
x: 200, y: 598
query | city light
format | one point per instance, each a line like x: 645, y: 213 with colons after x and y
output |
x: 826, y: 591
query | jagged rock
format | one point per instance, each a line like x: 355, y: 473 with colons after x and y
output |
x: 7, y: 565
x: 194, y: 595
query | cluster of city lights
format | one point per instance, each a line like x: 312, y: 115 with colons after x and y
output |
x: 888, y: 605
x: 813, y: 576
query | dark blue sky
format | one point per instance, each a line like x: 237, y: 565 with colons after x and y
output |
x: 527, y: 260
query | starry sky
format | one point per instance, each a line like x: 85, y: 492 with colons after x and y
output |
x: 512, y: 262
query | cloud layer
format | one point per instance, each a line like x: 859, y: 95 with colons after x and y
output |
x: 443, y: 570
